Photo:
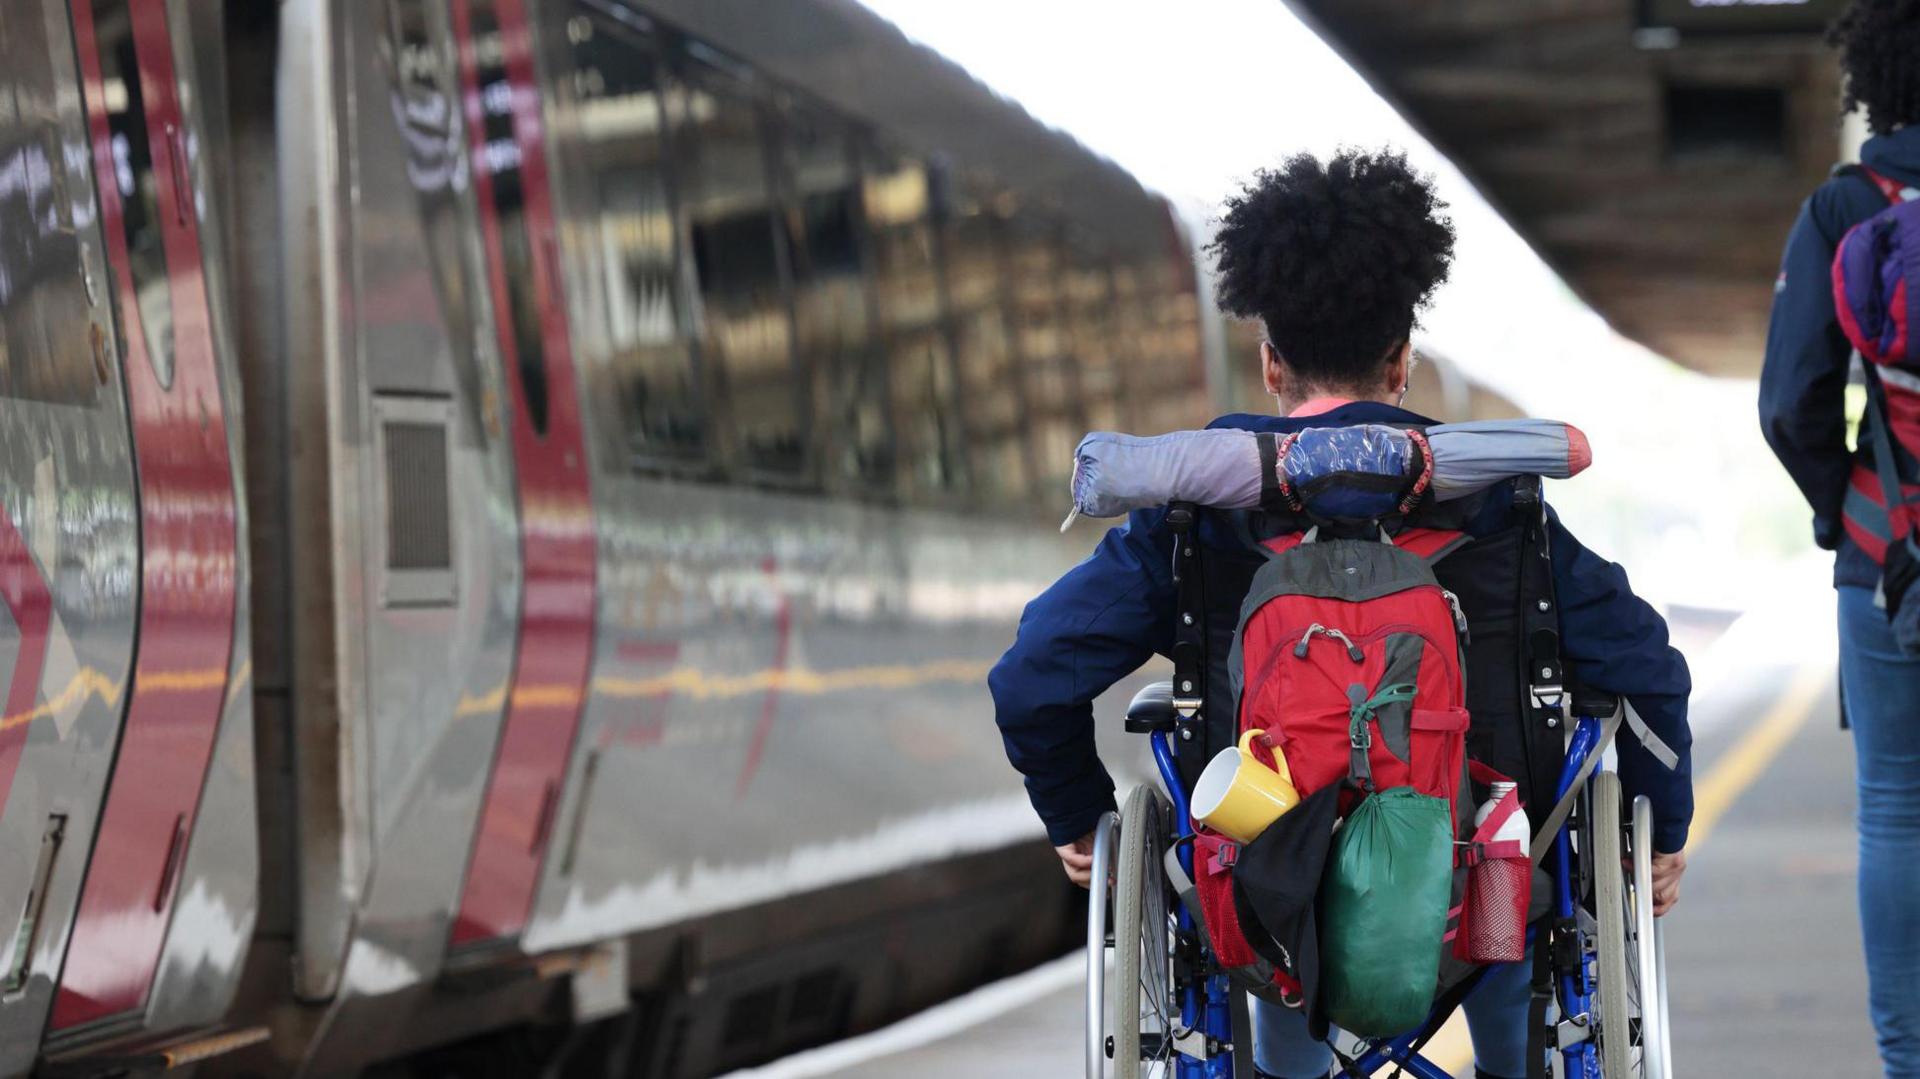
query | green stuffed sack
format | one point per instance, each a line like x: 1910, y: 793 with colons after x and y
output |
x: 1383, y: 912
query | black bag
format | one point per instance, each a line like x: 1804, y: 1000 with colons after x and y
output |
x: 1276, y: 884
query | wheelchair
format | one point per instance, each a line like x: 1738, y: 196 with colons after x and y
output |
x: 1159, y: 1007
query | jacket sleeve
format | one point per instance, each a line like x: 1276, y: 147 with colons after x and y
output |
x: 1094, y: 626
x: 1615, y: 641
x: 1804, y: 379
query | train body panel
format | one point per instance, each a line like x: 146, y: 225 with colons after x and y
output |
x: 412, y: 520
x: 503, y: 111
x: 795, y: 684
x: 161, y: 890
x: 69, y: 533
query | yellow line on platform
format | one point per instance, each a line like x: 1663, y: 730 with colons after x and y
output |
x: 1737, y: 770
x: 1743, y: 765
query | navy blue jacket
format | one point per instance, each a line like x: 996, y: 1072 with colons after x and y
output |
x: 1804, y: 381
x: 1114, y: 611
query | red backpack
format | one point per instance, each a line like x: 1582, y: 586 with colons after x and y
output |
x: 1349, y: 655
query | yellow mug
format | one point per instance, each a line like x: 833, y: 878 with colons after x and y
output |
x: 1238, y: 795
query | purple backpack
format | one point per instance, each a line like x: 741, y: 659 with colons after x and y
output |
x: 1876, y: 295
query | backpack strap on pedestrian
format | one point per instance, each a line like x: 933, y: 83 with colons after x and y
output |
x: 1894, y: 190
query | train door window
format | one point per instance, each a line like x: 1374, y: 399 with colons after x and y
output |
x: 48, y: 351
x: 719, y: 147
x: 1043, y: 336
x: 920, y: 373
x: 614, y: 141
x: 506, y: 205
x: 411, y: 168
x: 991, y: 390
x: 141, y: 206
x: 824, y: 215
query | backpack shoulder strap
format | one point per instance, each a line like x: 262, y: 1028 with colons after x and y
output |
x: 1893, y: 190
x: 1885, y: 464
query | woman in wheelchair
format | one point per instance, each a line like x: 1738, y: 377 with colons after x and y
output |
x: 1336, y: 259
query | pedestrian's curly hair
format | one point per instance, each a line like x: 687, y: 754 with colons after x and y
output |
x: 1335, y: 259
x: 1879, y: 43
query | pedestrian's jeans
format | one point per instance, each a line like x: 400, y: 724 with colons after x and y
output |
x: 1496, y: 1017
x: 1883, y: 707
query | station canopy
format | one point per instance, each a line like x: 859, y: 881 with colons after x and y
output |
x: 1654, y: 152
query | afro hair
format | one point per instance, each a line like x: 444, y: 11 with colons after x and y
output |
x: 1334, y: 259
x: 1879, y: 43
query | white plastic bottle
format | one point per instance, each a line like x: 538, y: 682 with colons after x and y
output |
x: 1515, y: 827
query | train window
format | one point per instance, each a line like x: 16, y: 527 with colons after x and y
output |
x: 506, y: 204
x: 47, y: 348
x: 895, y: 198
x: 990, y: 377
x: 824, y: 219
x: 720, y: 161
x: 1042, y: 332
x: 411, y: 168
x: 614, y: 141
x: 141, y: 206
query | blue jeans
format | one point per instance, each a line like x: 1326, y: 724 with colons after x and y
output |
x: 1496, y: 1017
x: 1883, y: 707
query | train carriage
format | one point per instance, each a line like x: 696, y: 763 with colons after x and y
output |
x: 509, y: 505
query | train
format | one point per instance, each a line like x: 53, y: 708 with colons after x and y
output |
x: 509, y: 506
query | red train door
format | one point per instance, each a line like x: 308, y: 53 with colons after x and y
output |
x: 557, y: 548
x: 187, y: 521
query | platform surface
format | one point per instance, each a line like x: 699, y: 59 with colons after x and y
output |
x: 1764, y: 950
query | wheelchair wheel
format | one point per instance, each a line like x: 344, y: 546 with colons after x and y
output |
x: 1106, y: 835
x: 1649, y: 950
x: 1144, y: 1011
x: 1623, y: 912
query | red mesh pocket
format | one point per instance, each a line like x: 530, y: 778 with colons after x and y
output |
x: 1493, y: 925
x: 1213, y: 858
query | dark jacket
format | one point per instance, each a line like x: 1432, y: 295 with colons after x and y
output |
x: 1804, y: 381
x: 1114, y: 611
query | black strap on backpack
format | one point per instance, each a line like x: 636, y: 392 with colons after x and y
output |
x: 1189, y: 636
x: 1544, y: 709
x: 1545, y: 680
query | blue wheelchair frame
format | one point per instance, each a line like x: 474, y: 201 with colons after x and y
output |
x: 1206, y: 1003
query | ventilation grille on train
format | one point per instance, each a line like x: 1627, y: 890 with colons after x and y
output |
x: 417, y: 501
x: 419, y: 536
